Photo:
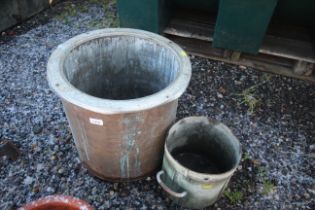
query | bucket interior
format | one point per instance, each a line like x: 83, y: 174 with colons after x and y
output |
x: 204, y: 148
x: 121, y: 67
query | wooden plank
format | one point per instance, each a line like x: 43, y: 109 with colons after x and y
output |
x: 197, y: 26
x: 263, y: 62
x: 288, y: 48
x: 201, y: 27
x: 279, y: 53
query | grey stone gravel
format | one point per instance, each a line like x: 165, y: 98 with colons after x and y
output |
x: 277, y: 136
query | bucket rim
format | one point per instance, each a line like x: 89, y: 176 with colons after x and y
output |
x: 197, y: 176
x: 66, y: 91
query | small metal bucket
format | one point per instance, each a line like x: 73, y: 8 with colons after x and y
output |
x: 200, y: 158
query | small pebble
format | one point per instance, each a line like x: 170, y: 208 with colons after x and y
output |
x: 37, y: 129
x: 307, y: 196
x: 237, y: 82
x: 106, y: 204
x: 111, y: 193
x: 35, y: 189
x: 60, y: 171
x: 297, y: 197
x: 50, y: 189
x: 39, y: 167
x: 28, y: 180
x: 312, y: 191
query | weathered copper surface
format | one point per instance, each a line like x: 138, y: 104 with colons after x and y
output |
x: 127, y: 146
x: 120, y: 89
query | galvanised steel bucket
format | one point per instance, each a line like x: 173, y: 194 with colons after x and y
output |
x: 119, y: 89
x: 200, y: 158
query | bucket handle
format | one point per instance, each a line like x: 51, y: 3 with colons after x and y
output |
x: 167, y: 189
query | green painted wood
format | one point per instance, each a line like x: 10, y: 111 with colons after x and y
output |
x: 242, y: 24
x: 150, y: 15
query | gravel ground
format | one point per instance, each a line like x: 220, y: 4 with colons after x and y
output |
x: 271, y: 115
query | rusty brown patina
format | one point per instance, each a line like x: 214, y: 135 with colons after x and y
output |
x: 120, y: 89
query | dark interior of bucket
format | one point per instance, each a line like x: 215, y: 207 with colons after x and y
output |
x: 204, y: 149
x: 121, y: 67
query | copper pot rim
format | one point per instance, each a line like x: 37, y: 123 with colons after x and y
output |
x: 59, y: 83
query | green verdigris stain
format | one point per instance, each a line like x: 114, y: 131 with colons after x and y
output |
x: 129, y: 147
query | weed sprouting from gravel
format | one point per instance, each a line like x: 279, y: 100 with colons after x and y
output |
x: 246, y: 157
x: 234, y: 197
x: 70, y: 11
x: 268, y: 187
x: 109, y: 19
x: 248, y: 98
x: 248, y: 95
x: 110, y: 14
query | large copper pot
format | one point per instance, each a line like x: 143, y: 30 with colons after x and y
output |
x: 119, y: 88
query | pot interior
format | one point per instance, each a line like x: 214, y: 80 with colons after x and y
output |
x: 55, y: 206
x: 121, y: 67
x: 204, y: 147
